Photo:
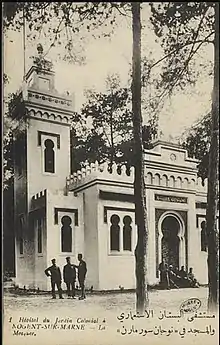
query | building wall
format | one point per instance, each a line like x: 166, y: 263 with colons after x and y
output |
x: 91, y: 249
x: 115, y: 268
x: 202, y: 269
x: 38, y: 179
x: 53, y: 247
x: 40, y: 258
x: 24, y: 263
x: 151, y: 255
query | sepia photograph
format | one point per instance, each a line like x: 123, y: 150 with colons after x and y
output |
x: 110, y: 148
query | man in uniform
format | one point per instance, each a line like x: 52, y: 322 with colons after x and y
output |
x: 164, y: 277
x: 82, y: 270
x: 191, y: 278
x: 54, y: 273
x: 183, y: 277
x: 69, y: 277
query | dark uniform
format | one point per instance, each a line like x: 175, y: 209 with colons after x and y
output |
x: 164, y: 277
x: 55, y: 274
x: 183, y: 277
x: 82, y: 270
x: 69, y: 277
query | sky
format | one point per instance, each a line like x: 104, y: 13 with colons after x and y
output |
x: 103, y: 57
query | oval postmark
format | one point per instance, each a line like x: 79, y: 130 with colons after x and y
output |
x: 190, y: 305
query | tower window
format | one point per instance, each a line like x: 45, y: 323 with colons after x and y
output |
x: 39, y: 235
x: 49, y: 165
x: 114, y: 232
x: 66, y: 234
x: 127, y: 231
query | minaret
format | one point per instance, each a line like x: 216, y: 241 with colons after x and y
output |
x: 41, y: 151
x: 48, y: 117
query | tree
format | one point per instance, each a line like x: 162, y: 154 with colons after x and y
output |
x: 139, y: 185
x: 213, y: 178
x: 197, y: 142
x: 110, y: 116
x: 95, y: 14
x: 108, y: 134
x: 186, y: 29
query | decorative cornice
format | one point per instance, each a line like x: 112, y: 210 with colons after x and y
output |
x: 47, y: 115
x: 49, y: 99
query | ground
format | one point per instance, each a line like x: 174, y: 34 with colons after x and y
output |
x: 107, y: 319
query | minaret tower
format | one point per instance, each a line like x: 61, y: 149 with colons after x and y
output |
x: 42, y: 150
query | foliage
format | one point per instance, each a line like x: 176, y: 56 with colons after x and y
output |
x: 110, y: 116
x: 13, y: 128
x: 184, y: 28
x: 64, y: 23
x: 197, y: 142
x: 107, y: 131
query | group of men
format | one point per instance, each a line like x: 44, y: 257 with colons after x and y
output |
x: 69, y: 277
x: 173, y: 277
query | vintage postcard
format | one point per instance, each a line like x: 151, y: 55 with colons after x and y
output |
x: 92, y: 254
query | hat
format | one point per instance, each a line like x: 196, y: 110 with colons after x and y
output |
x: 68, y: 257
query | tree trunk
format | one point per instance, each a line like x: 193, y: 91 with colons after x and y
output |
x: 212, y: 198
x: 139, y: 186
x: 112, y: 139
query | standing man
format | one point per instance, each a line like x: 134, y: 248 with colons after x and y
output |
x: 54, y: 273
x: 164, y: 277
x: 69, y: 277
x: 82, y: 270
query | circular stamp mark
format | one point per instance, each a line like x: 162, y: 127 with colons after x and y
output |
x: 190, y: 305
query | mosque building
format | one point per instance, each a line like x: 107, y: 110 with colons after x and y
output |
x: 92, y: 211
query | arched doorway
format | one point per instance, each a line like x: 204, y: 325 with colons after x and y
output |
x: 170, y: 241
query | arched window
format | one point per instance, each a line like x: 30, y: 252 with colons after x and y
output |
x: 49, y: 165
x: 114, y: 232
x: 203, y: 237
x: 66, y: 234
x: 127, y: 232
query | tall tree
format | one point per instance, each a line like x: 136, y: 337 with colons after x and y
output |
x: 186, y: 29
x: 213, y: 178
x: 139, y: 185
x: 71, y: 17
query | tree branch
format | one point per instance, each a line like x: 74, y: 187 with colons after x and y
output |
x: 183, y: 46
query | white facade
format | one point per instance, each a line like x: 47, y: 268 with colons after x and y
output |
x: 95, y: 208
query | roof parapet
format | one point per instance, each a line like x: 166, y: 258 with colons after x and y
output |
x: 95, y: 170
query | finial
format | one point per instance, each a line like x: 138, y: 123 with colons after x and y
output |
x: 40, y: 60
